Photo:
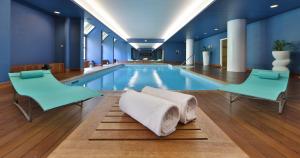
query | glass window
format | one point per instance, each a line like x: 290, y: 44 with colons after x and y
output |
x: 88, y: 28
x: 84, y: 48
x: 104, y: 35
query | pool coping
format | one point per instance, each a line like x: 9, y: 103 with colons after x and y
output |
x: 201, y: 75
x: 91, y: 72
x: 98, y: 69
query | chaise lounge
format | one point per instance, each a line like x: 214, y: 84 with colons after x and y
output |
x: 49, y: 93
x: 261, y: 84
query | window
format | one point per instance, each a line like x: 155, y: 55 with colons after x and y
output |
x: 84, y: 47
x: 104, y: 35
x: 88, y: 28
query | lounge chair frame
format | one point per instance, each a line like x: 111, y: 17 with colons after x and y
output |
x: 28, y: 113
x: 281, y: 100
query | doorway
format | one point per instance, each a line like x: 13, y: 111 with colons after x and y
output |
x: 223, y: 53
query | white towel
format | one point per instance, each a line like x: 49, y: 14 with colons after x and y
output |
x: 186, y: 103
x: 159, y: 115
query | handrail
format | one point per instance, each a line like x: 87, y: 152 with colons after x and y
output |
x: 184, y: 62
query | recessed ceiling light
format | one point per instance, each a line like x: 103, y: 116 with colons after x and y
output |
x: 216, y: 29
x: 56, y: 12
x: 146, y: 40
x: 274, y: 6
x: 205, y: 33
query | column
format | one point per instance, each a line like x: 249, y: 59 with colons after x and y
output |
x: 236, y: 49
x: 189, y: 52
x: 5, y: 16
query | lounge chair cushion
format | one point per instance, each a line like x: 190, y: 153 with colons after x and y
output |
x: 49, y: 92
x: 268, y: 75
x: 31, y: 74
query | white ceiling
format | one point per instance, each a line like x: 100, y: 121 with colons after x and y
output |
x: 143, y: 45
x: 144, y: 19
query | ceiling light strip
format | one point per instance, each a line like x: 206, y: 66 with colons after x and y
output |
x: 186, y: 16
x: 98, y: 12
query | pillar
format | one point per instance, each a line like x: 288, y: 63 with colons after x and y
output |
x: 5, y: 17
x: 189, y: 52
x: 236, y: 49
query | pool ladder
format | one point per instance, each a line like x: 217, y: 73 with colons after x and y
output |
x: 192, y: 56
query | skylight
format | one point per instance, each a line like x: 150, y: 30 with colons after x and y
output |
x: 88, y: 28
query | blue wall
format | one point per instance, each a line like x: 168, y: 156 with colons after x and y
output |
x: 262, y: 34
x: 121, y: 49
x: 32, y: 36
x: 60, y: 39
x: 258, y: 54
x: 260, y: 38
x: 215, y: 53
x: 5, y: 16
x: 94, y: 45
x: 108, y: 49
x: 170, y: 48
x: 75, y: 44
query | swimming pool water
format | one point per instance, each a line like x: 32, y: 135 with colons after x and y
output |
x: 138, y: 76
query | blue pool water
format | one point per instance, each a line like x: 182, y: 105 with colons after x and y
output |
x: 138, y: 76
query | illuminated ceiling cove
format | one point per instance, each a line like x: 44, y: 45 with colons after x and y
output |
x: 144, y: 19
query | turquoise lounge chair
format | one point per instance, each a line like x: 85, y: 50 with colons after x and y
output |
x: 261, y: 84
x: 41, y: 86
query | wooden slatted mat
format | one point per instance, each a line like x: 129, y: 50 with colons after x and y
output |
x: 117, y: 125
x: 138, y: 126
x: 115, y: 108
x: 116, y: 114
x: 118, y: 120
x: 147, y: 135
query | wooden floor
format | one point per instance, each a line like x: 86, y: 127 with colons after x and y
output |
x: 253, y: 125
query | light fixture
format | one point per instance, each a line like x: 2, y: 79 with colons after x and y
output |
x: 146, y: 40
x: 134, y: 45
x: 102, y: 15
x: 216, y: 29
x: 274, y: 6
x: 186, y: 16
x: 183, y: 17
x: 156, y: 45
x: 204, y: 33
x: 56, y: 12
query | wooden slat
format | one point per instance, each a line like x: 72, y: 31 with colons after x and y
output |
x: 147, y: 135
x: 115, y: 109
x: 116, y: 114
x: 189, y: 126
x: 118, y: 120
x: 138, y: 126
x: 121, y: 126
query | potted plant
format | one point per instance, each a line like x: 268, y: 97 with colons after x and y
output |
x: 206, y: 54
x: 281, y: 53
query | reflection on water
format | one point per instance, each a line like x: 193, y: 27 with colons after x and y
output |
x: 137, y: 77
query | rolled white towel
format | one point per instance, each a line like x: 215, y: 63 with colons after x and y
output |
x: 186, y: 103
x: 159, y: 115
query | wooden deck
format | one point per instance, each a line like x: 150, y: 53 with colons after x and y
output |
x: 253, y: 125
x: 78, y: 144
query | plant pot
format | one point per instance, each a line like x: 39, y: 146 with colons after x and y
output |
x: 281, y: 55
x: 282, y: 59
x: 206, y: 55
